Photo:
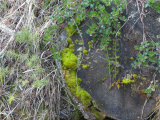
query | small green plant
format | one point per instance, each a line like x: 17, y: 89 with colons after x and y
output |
x: 48, y: 3
x: 3, y: 72
x: 85, y: 52
x: 155, y: 4
x: 151, y: 88
x: 3, y: 5
x: 149, y: 54
x: 107, y: 26
x: 26, y: 37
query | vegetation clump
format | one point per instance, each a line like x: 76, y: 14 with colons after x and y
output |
x: 85, y: 52
x: 85, y: 66
x: 69, y: 40
x: 90, y: 44
x: 69, y: 62
x: 69, y: 59
x: 76, y: 41
x: 127, y: 79
x: 73, y: 83
x: 71, y: 46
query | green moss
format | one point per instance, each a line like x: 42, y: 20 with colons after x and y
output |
x: 90, y: 44
x: 69, y: 60
x: 83, y: 96
x: 131, y: 58
x: 73, y: 84
x: 85, y: 51
x: 76, y: 41
x: 127, y: 81
x: 71, y: 80
x: 69, y: 41
x: 134, y: 76
x: 70, y: 29
x: 71, y: 46
x: 85, y: 66
x: 98, y: 115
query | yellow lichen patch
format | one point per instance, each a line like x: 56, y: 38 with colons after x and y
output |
x: 85, y: 52
x: 85, y: 66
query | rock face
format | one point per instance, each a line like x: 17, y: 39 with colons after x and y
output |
x: 126, y: 103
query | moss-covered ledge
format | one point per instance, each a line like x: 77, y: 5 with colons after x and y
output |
x: 69, y: 63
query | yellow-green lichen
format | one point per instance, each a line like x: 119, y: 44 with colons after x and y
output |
x: 85, y: 66
x: 85, y: 52
x: 69, y: 60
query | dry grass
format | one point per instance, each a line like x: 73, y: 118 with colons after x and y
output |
x: 46, y: 102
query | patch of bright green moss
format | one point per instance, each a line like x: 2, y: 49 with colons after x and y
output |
x: 83, y: 96
x: 69, y: 41
x: 90, y: 44
x: 85, y: 66
x: 73, y: 83
x: 127, y: 81
x: 131, y: 58
x: 134, y: 76
x: 71, y: 80
x: 85, y: 51
x: 69, y: 60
